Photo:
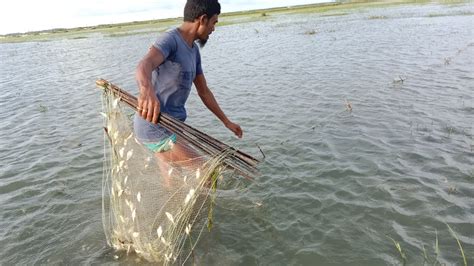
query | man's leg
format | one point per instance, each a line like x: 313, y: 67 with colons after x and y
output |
x: 178, y: 155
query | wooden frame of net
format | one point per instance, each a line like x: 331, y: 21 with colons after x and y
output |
x: 237, y: 160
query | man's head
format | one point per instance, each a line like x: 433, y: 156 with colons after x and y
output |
x: 204, y: 13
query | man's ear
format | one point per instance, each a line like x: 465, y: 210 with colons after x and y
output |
x: 203, y: 19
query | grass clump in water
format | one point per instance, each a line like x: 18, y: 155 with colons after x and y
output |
x: 459, y: 244
x: 79, y: 37
x: 436, y: 249
x: 43, y: 108
x: 214, y: 176
x: 377, y: 17
x: 399, y: 249
x: 335, y: 14
x: 463, y: 13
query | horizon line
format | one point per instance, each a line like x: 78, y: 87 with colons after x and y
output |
x: 329, y: 2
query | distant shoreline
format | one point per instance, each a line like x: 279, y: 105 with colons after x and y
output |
x: 164, y: 20
x: 149, y: 26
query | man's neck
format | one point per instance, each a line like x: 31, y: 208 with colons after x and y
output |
x: 188, y: 31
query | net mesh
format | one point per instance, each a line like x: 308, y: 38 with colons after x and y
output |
x: 153, y: 204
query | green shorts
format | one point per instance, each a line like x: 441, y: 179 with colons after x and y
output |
x: 163, y: 145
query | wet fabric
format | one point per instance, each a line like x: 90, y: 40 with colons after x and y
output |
x: 163, y: 145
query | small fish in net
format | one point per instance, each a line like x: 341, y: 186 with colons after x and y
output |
x: 153, y: 206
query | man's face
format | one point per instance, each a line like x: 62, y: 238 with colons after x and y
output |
x: 206, y: 27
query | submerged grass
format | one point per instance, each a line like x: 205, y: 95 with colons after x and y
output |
x: 335, y: 14
x: 464, y: 13
x: 79, y: 37
x: 123, y: 34
x: 399, y: 249
x: 213, y: 177
x: 436, y: 246
x: 436, y: 249
x: 377, y: 17
x: 459, y: 244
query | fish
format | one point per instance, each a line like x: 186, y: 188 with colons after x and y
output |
x: 189, y: 196
x: 188, y: 229
x: 159, y: 231
x: 170, y: 217
x: 129, y: 154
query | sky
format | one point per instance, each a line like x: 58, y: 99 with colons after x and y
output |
x: 32, y: 15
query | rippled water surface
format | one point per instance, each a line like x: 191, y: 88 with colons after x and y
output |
x: 337, y: 184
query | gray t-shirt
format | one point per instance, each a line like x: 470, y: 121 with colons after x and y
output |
x: 172, y: 81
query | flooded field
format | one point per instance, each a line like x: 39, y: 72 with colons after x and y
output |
x: 365, y: 116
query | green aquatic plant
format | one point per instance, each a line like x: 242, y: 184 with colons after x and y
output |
x: 459, y: 244
x: 463, y: 13
x: 348, y: 105
x: 213, y: 177
x: 335, y: 14
x: 450, y: 130
x: 377, y: 17
x: 452, y: 189
x: 399, y: 249
x: 43, y: 108
x: 447, y: 60
x: 400, y: 80
x: 425, y: 257
x: 435, y: 247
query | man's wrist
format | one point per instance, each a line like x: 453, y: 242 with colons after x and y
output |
x: 225, y: 121
x: 144, y: 89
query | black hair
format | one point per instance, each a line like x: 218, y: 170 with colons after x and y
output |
x: 196, y: 8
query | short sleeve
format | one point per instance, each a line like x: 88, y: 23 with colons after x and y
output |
x: 198, y: 62
x: 166, y: 44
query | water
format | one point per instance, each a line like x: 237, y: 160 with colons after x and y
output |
x: 335, y: 186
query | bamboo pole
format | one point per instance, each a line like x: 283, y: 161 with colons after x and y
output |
x: 202, y: 141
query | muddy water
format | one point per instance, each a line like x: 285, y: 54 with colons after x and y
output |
x: 365, y: 118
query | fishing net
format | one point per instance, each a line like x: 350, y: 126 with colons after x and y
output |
x: 152, y: 205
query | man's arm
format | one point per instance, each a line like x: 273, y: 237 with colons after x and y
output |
x: 148, y: 104
x: 208, y: 99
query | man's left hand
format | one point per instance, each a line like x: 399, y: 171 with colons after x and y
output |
x: 235, y: 128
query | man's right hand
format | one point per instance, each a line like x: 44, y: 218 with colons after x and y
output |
x: 148, y: 105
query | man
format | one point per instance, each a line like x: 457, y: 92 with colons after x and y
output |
x: 165, y: 76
